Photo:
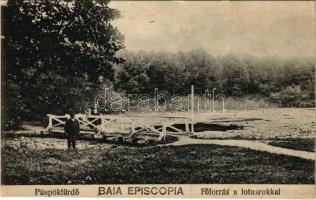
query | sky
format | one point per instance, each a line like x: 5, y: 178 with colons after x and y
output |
x: 258, y: 28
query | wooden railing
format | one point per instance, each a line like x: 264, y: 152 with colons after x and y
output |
x: 99, y: 124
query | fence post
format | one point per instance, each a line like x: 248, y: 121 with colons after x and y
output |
x: 50, y: 121
x: 164, y: 132
x: 50, y: 124
x: 187, y: 128
x: 192, y: 109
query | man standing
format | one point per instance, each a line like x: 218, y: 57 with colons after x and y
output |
x: 72, y: 130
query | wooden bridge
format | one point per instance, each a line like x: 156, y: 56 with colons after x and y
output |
x: 100, y: 126
x: 131, y: 126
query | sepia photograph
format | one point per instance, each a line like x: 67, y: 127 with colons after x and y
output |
x: 175, y: 93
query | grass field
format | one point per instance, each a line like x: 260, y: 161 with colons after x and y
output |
x: 182, y: 164
x: 33, y: 160
x: 304, y: 144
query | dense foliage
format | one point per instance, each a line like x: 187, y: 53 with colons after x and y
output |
x: 56, y: 54
x: 286, y: 82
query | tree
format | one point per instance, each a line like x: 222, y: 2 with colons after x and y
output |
x: 131, y: 75
x: 61, y: 45
x: 235, y: 76
x: 289, y: 96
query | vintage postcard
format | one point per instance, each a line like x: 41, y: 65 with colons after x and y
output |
x: 164, y: 99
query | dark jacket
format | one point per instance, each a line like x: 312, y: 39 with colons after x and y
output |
x: 72, y: 127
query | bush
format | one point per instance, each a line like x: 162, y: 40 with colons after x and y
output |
x: 292, y: 96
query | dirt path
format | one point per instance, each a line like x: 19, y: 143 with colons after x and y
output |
x: 185, y: 140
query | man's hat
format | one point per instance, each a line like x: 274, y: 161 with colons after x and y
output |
x: 71, y: 112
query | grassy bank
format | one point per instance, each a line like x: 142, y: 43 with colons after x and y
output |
x: 303, y: 144
x: 169, y: 164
